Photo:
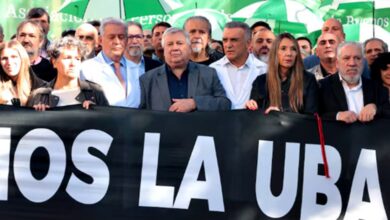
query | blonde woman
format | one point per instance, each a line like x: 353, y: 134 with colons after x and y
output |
x: 16, y: 80
x: 287, y: 86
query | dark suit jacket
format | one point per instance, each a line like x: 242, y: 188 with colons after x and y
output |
x: 88, y: 91
x: 333, y: 99
x: 151, y: 64
x: 203, y: 86
x: 383, y: 100
x: 259, y: 93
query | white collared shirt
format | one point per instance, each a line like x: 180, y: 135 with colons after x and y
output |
x: 238, y: 75
x: 99, y: 71
x: 237, y: 82
x: 354, y: 96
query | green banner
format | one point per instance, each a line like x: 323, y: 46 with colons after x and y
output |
x: 361, y: 13
x: 12, y: 12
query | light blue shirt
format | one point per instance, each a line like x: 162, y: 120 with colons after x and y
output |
x: 140, y: 66
x: 122, y: 63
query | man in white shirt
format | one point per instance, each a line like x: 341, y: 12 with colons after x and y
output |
x: 118, y: 79
x: 238, y: 68
x: 347, y: 96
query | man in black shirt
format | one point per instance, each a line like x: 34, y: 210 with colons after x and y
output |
x: 326, y: 50
x: 30, y: 34
x: 199, y: 29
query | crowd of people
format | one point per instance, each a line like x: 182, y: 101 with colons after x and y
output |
x: 114, y: 63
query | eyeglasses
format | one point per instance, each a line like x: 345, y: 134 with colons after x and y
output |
x: 148, y: 36
x: 136, y: 36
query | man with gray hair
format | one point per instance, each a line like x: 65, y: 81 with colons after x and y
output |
x: 31, y: 35
x: 199, y: 29
x: 88, y: 34
x: 41, y: 16
x: 347, y: 96
x: 238, y: 68
x: 180, y: 85
x: 135, y: 48
x: 118, y: 79
x: 373, y: 47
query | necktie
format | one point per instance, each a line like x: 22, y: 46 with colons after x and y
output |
x: 117, y: 67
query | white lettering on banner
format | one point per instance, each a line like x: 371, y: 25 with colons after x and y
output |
x: 33, y: 189
x: 366, y: 173
x: 11, y: 12
x: 314, y: 184
x: 151, y: 19
x: 381, y: 21
x: 152, y: 195
x: 39, y: 191
x: 210, y: 189
x: 5, y: 148
x: 91, y: 165
x: 276, y: 206
x: 366, y: 176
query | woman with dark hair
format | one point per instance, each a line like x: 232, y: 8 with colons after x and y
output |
x: 380, y: 74
x: 16, y: 80
x: 287, y: 86
x: 67, y: 89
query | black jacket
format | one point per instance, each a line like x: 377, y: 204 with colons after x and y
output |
x: 151, y: 64
x: 383, y: 100
x: 259, y: 93
x: 89, y: 91
x: 333, y: 99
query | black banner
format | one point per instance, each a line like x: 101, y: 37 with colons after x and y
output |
x: 116, y: 163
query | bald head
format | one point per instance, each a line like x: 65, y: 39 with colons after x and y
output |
x: 334, y: 26
x: 89, y: 36
x: 261, y: 44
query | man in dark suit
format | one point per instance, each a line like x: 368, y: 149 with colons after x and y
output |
x: 181, y: 85
x: 347, y: 96
x: 135, y: 48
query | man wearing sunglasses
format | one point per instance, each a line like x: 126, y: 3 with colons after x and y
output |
x: 88, y: 34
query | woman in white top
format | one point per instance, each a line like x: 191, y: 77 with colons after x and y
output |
x: 66, y: 55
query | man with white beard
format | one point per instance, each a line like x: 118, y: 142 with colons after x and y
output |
x: 347, y: 96
x: 88, y: 34
x: 261, y: 44
x: 135, y: 48
x: 199, y: 29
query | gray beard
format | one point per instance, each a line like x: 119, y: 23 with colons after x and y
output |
x: 196, y: 50
x: 30, y: 53
x: 351, y: 80
x: 264, y: 58
x: 135, y: 52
